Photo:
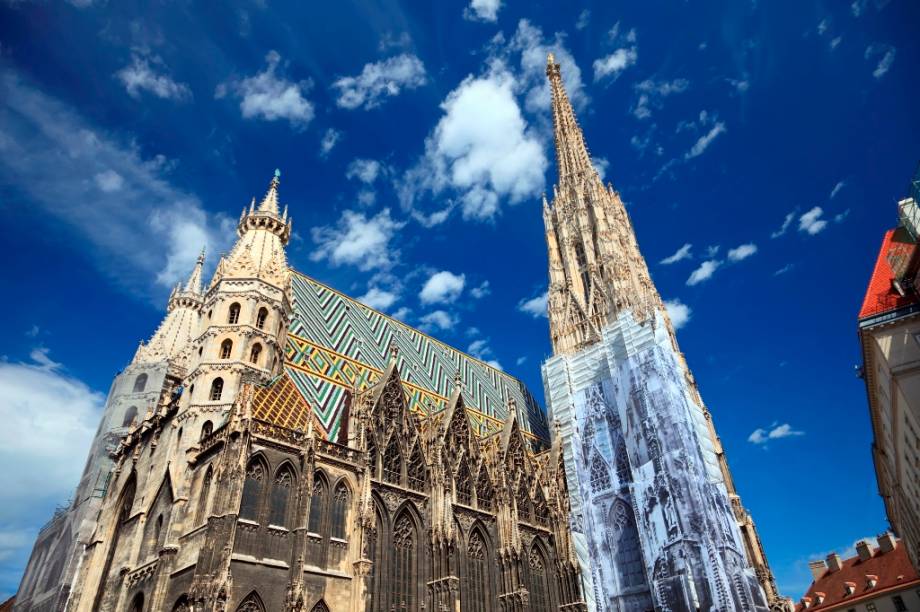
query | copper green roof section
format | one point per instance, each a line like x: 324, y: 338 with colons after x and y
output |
x: 337, y: 345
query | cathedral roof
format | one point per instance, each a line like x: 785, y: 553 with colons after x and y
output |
x: 280, y: 403
x: 337, y: 345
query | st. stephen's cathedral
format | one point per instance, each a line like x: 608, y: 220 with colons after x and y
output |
x: 278, y: 446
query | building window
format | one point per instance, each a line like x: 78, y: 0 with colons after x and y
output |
x: 404, y: 564
x: 600, y: 479
x: 375, y: 554
x: 372, y: 457
x: 226, y: 347
x: 233, y: 316
x: 202, y: 512
x: 899, y: 605
x: 252, y: 491
x: 462, y: 484
x: 477, y: 590
x: 206, y: 430
x: 252, y: 603
x: 624, y: 539
x: 140, y: 383
x: 281, y: 497
x: 217, y: 389
x: 870, y: 607
x: 317, y: 505
x: 538, y: 589
x: 340, y: 511
x: 416, y: 469
x: 254, y: 353
x: 320, y: 607
x: 392, y: 463
x: 484, y: 493
x: 261, y: 318
x: 623, y: 473
x: 137, y: 604
x: 523, y: 502
x: 158, y: 534
x: 130, y: 417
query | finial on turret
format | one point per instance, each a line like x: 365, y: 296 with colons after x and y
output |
x: 270, y: 201
x: 458, y: 380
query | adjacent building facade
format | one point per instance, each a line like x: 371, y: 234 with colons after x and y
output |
x: 889, y: 331
x: 656, y: 519
x: 876, y: 579
x: 280, y: 446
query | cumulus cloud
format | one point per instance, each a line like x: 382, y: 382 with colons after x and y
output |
x: 529, y: 43
x: 121, y: 212
x: 704, y: 272
x: 331, y: 138
x: 437, y: 320
x: 761, y: 436
x: 703, y: 142
x: 678, y: 312
x: 601, y: 164
x: 141, y: 75
x: 482, y: 10
x: 365, y: 170
x: 679, y: 255
x: 535, y: 306
x: 742, y: 252
x: 379, y: 299
x: 615, y: 63
x: 358, y: 240
x: 380, y: 80
x: 785, y: 226
x: 270, y: 96
x: 811, y: 222
x: 442, y: 287
x: 481, y: 290
x: 651, y: 95
x: 480, y: 152
x: 886, y: 53
x: 481, y: 350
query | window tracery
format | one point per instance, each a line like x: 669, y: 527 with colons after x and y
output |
x: 252, y: 491
x: 477, y: 591
x: 317, y: 506
x: 281, y: 497
x: 624, y: 475
x: 484, y: 492
x: 600, y: 479
x: 539, y: 592
x: 416, y: 469
x: 392, y: 462
x: 340, y: 511
x: 403, y: 564
x: 463, y: 485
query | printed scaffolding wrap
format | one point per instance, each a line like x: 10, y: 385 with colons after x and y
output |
x: 647, y: 479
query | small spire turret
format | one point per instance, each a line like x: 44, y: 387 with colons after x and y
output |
x: 269, y: 203
x: 193, y: 284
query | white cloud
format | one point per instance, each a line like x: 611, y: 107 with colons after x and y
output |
x: 774, y: 432
x: 480, y: 349
x: 740, y: 85
x: 535, y: 306
x: 437, y: 320
x: 109, y: 181
x: 379, y: 299
x: 837, y: 189
x: 614, y: 64
x: 811, y: 221
x: 442, y: 288
x: 365, y: 170
x: 679, y: 255
x: 480, y: 151
x: 584, y: 18
x: 887, y: 53
x: 330, y: 138
x: 835, y: 42
x: 822, y: 27
x: 678, y: 312
x: 840, y: 217
x: 704, y: 272
x: 742, y: 252
x: 379, y: 80
x: 531, y: 80
x: 481, y: 291
x: 140, y: 76
x: 358, y: 240
x: 402, y: 313
x: 67, y: 167
x: 786, y: 223
x: 269, y: 96
x: 784, y: 269
x: 601, y: 164
x: 652, y: 94
x: 49, y: 419
x: 367, y: 197
x: 520, y: 360
x: 482, y: 10
x: 858, y: 6
x: 705, y: 140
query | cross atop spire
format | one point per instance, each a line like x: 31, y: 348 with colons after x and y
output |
x: 194, y: 281
x: 572, y: 159
x: 270, y: 201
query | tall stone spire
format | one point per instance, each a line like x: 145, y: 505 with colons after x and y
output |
x: 194, y: 281
x: 572, y: 159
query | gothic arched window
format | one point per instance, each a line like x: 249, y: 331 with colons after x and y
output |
x: 623, y: 472
x: 375, y: 554
x: 252, y: 490
x: 600, y: 479
x: 182, y: 605
x: 206, y: 429
x: 130, y: 417
x: 279, y: 510
x: 320, y: 607
x: 624, y: 538
x: 476, y: 595
x: 523, y: 502
x: 226, y: 347
x: 372, y: 456
x: 140, y: 383
x: 255, y: 353
x: 415, y: 470
x: 317, y: 505
x: 217, y: 389
x: 233, y: 316
x: 159, y: 534
x: 261, y: 317
x: 404, y: 572
x: 137, y: 604
x: 339, y: 519
x: 392, y: 462
x: 252, y: 603
x: 539, y: 591
x: 484, y: 493
x: 463, y: 484
x: 201, y: 512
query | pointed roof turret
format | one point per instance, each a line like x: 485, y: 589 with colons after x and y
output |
x: 572, y: 159
x: 269, y: 203
x: 193, y: 284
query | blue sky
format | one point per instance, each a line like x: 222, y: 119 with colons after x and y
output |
x: 773, y: 138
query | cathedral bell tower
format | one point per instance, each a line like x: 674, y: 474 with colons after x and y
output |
x: 245, y: 310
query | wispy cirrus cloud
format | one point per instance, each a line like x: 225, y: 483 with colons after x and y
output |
x: 148, y: 73
x: 679, y: 255
x: 380, y: 80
